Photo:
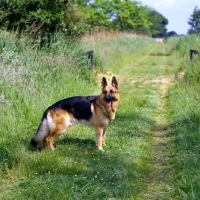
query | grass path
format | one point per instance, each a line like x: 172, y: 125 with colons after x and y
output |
x: 153, y: 66
x: 137, y: 160
x: 161, y: 169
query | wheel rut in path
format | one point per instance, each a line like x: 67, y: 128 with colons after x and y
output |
x: 161, y: 174
x: 160, y: 168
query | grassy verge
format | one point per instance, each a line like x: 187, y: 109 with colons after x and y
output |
x: 115, y: 51
x: 185, y: 122
x: 184, y: 129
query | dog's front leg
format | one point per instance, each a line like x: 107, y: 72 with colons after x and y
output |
x: 104, y: 136
x: 99, y: 138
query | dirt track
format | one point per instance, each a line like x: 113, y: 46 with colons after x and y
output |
x: 161, y: 170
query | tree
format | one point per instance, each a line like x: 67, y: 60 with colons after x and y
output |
x: 159, y: 23
x: 194, y: 21
x: 130, y: 16
x: 42, y: 18
x: 97, y: 14
x: 120, y: 15
x: 171, y: 34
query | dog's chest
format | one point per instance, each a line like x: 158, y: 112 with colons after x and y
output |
x: 100, y: 116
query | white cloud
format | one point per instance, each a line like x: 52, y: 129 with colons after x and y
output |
x: 165, y: 3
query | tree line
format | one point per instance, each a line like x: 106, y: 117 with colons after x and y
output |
x: 41, y: 18
x: 194, y: 21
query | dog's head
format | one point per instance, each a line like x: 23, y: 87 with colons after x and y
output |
x: 109, y: 92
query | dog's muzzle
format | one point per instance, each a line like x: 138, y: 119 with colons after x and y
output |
x: 108, y: 100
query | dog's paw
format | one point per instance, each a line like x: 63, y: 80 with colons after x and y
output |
x: 100, y: 148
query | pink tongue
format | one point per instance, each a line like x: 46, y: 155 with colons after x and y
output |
x: 108, y: 104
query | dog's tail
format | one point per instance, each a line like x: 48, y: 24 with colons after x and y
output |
x: 41, y: 134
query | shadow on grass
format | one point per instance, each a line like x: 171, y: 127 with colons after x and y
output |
x: 79, y: 142
x: 162, y: 54
x: 132, y: 125
x: 186, y: 132
x: 85, y: 172
x: 83, y: 143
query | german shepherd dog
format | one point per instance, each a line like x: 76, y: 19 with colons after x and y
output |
x: 96, y: 111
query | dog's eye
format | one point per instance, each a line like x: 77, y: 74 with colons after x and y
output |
x: 111, y: 91
x: 105, y: 92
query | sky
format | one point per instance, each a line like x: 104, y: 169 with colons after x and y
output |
x: 176, y: 11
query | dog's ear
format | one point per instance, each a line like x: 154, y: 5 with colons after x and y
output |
x: 114, y: 82
x: 103, y: 82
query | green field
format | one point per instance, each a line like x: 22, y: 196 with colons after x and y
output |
x: 152, y: 149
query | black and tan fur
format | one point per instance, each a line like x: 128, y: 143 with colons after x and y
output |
x: 96, y: 111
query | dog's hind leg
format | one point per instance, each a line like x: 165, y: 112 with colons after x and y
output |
x: 49, y: 141
x: 58, y: 121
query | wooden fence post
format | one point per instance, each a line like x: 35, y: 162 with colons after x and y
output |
x: 89, y: 54
x: 192, y: 52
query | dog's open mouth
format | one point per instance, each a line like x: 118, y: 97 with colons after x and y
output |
x: 108, y: 104
x: 109, y: 100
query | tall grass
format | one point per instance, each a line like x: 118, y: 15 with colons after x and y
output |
x: 115, y: 50
x: 184, y: 45
x: 32, y: 78
x: 184, y: 109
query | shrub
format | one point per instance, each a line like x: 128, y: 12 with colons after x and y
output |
x: 42, y: 18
